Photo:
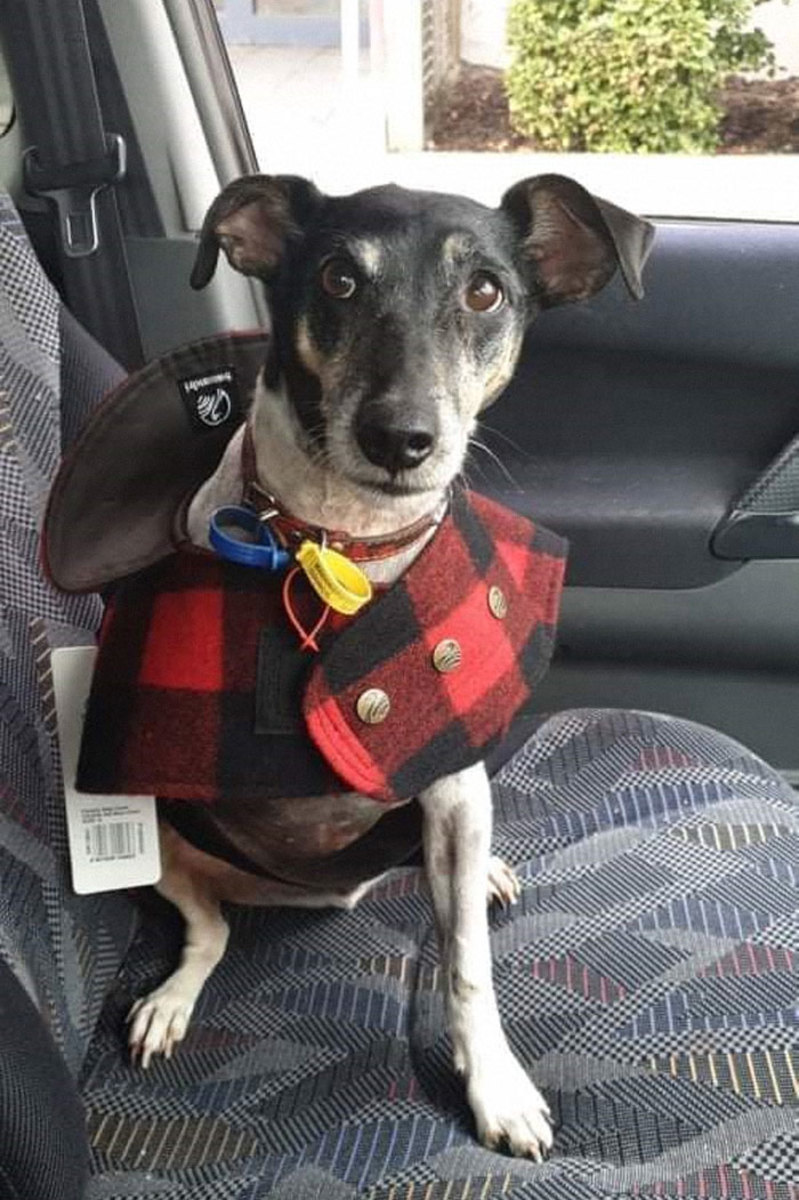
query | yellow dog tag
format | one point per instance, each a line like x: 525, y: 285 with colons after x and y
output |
x: 334, y: 578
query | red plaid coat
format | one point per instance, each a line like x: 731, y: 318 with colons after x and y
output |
x: 201, y: 691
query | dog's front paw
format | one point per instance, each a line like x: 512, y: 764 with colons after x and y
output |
x: 509, y: 1110
x: 503, y: 884
x: 158, y: 1022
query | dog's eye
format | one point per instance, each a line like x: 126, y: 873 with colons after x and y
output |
x: 483, y: 293
x: 337, y: 279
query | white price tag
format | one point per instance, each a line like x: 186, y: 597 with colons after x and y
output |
x: 113, y: 840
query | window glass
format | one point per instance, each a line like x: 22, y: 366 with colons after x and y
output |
x: 685, y: 109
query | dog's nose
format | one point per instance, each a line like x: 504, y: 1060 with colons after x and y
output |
x: 397, y: 442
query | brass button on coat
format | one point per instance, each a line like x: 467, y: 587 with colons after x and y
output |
x: 373, y: 706
x: 498, y: 602
x: 447, y: 655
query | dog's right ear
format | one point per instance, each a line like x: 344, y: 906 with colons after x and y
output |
x: 251, y: 220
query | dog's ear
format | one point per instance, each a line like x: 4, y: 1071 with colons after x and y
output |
x: 251, y: 220
x: 575, y: 240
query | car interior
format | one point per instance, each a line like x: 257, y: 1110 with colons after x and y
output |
x: 648, y: 974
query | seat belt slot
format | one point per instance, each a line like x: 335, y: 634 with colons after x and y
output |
x: 73, y: 189
x: 76, y: 163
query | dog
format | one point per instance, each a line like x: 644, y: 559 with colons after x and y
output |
x: 397, y: 317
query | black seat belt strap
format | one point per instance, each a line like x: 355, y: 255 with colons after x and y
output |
x: 75, y: 163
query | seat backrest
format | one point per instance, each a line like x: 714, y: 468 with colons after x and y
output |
x: 65, y: 949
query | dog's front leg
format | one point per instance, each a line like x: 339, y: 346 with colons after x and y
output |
x: 457, y: 833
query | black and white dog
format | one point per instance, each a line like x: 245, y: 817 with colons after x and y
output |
x: 397, y: 317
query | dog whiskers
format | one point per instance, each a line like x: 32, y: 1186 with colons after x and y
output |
x: 491, y: 429
x: 478, y: 445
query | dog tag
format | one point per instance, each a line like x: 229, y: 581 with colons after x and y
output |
x: 113, y: 840
x: 334, y: 578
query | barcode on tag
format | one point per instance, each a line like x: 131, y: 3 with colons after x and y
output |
x: 113, y: 840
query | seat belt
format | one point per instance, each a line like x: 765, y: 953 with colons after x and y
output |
x: 74, y: 162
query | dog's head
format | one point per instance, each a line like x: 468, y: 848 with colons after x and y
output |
x: 398, y: 315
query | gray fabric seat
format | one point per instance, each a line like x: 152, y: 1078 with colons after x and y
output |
x: 648, y: 975
x: 50, y: 936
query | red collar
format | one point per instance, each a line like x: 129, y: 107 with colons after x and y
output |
x: 290, y: 530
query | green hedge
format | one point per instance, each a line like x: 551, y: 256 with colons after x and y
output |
x: 626, y: 75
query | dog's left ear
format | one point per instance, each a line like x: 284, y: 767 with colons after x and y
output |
x: 575, y: 240
x: 251, y: 220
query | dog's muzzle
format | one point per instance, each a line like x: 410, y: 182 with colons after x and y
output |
x: 396, y: 439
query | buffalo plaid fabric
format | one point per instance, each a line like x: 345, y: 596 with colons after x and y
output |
x: 201, y: 688
x: 440, y: 722
x: 175, y: 696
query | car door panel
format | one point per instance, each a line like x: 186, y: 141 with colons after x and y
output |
x: 632, y: 428
x: 635, y: 430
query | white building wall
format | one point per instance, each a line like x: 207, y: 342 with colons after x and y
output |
x: 780, y: 23
x: 483, y: 32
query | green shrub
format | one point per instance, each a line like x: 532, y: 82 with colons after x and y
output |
x: 626, y: 75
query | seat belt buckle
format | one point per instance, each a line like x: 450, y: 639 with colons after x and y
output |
x: 74, y: 188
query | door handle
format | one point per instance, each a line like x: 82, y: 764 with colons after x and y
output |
x: 764, y: 522
x: 757, y: 535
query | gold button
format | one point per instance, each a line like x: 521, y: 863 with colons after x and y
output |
x: 447, y: 655
x: 497, y: 602
x: 373, y: 706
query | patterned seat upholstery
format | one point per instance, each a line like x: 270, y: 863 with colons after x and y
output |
x: 648, y: 976
x: 64, y: 948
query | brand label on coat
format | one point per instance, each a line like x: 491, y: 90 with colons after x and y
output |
x: 211, y: 399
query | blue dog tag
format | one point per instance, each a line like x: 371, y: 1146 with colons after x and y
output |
x: 237, y: 534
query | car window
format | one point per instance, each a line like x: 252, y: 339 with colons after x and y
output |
x: 470, y: 95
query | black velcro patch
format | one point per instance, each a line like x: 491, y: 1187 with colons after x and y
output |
x: 282, y: 668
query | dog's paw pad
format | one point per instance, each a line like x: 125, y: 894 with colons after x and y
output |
x: 158, y: 1022
x: 503, y: 884
x: 510, y: 1112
